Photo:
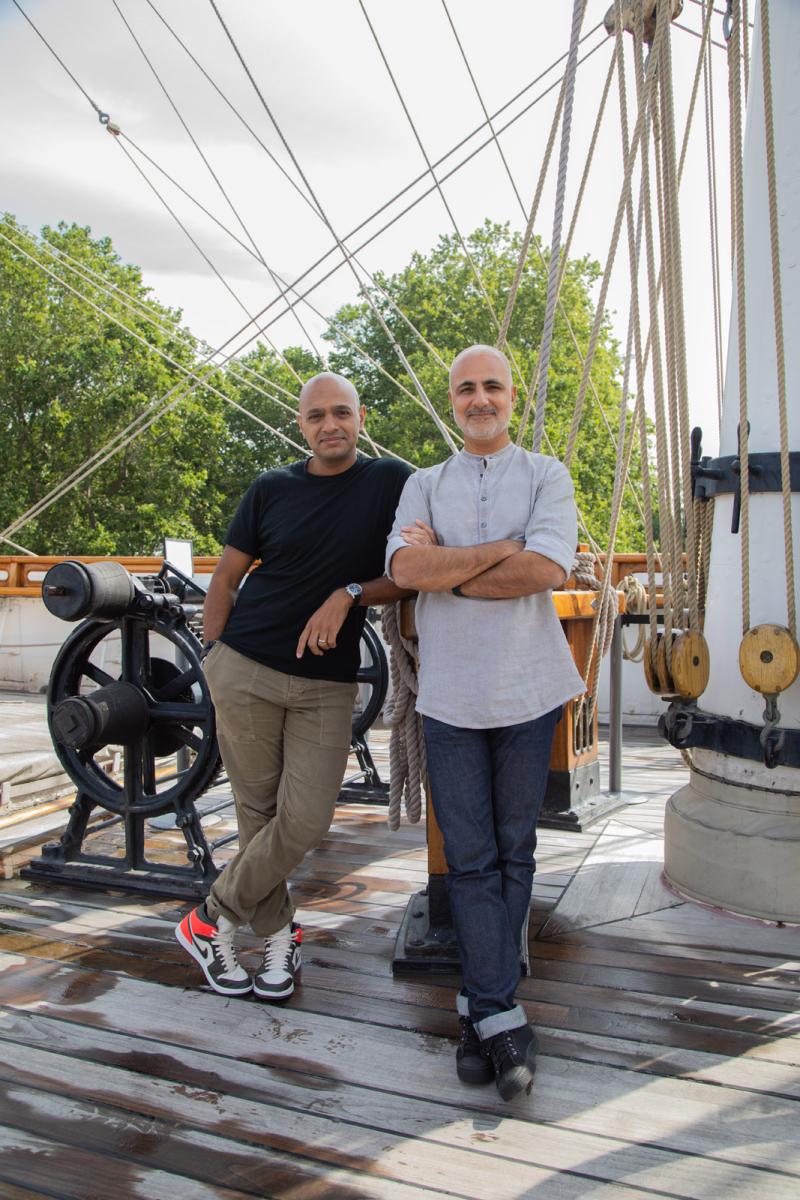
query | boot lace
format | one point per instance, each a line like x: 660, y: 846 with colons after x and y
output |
x: 468, y: 1037
x: 504, y: 1051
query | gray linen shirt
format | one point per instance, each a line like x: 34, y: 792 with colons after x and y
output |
x: 487, y: 663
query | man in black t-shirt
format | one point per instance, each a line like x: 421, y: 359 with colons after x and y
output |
x: 281, y: 662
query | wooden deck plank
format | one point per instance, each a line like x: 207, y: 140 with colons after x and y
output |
x: 677, y: 1020
x: 169, y: 1160
x: 668, y: 1053
x: 682, y: 1115
x: 498, y: 1159
x: 233, y: 1133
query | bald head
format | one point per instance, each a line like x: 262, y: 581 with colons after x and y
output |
x: 328, y: 382
x: 465, y: 356
x: 330, y: 418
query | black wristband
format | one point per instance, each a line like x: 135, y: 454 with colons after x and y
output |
x: 207, y: 648
x: 457, y: 590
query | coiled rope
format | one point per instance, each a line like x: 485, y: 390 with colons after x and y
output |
x: 407, y: 764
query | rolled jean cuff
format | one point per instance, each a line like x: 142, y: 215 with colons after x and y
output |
x: 462, y: 1004
x: 514, y: 1018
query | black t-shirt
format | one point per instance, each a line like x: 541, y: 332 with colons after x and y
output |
x: 313, y: 534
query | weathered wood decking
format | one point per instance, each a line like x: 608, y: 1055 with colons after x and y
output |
x: 670, y: 1061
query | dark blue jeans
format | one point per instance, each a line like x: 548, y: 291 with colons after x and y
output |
x: 487, y: 787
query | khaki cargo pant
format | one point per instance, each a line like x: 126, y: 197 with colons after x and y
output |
x: 284, y: 742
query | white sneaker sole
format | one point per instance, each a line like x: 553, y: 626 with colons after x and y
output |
x: 278, y: 995
x: 284, y: 995
x: 235, y: 989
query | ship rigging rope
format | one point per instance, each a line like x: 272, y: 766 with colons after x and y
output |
x: 606, y: 604
x: 461, y: 241
x: 419, y: 178
x: 407, y: 764
x: 145, y: 419
x: 674, y: 314
x: 240, y: 370
x: 468, y: 256
x: 554, y: 275
x: 777, y: 305
x: 343, y: 249
x: 261, y: 331
x: 735, y: 94
x: 677, y: 325
x: 713, y: 216
x: 362, y: 224
x: 220, y: 186
x: 92, y: 464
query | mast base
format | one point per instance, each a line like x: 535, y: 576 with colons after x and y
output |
x: 733, y: 844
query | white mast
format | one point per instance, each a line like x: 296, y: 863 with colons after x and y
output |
x: 733, y: 834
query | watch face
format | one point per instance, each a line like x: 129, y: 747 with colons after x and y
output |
x: 354, y: 589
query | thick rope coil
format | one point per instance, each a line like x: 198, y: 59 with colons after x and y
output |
x: 406, y: 744
x: 636, y: 601
x: 583, y: 570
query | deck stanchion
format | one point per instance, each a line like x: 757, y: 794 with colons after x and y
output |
x: 615, y: 711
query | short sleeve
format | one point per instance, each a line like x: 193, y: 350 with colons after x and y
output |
x: 244, y: 530
x: 413, y: 506
x: 552, y: 528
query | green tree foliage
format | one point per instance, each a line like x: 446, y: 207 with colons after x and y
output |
x: 70, y: 378
x: 438, y: 292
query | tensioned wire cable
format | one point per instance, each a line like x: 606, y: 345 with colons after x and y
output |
x: 238, y: 369
x: 259, y: 332
x: 331, y: 322
x: 535, y: 243
x: 343, y: 249
x: 387, y: 225
x: 144, y: 420
x: 220, y: 186
x: 97, y: 111
x: 397, y: 216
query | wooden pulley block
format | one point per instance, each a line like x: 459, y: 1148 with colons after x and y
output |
x: 649, y: 670
x: 769, y: 659
x: 690, y: 665
x: 666, y: 684
x: 649, y: 14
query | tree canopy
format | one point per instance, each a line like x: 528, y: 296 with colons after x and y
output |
x: 440, y: 295
x: 71, y: 378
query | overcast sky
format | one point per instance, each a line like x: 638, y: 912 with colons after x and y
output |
x: 320, y: 71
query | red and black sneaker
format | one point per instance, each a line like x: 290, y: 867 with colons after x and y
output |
x: 274, y: 980
x: 211, y: 946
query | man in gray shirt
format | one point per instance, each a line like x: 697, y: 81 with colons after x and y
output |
x: 484, y: 537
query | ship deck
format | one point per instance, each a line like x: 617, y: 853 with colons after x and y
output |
x: 669, y: 1063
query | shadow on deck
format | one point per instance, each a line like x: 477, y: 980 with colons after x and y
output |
x: 669, y: 1065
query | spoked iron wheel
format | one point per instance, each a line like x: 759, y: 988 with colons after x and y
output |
x: 137, y: 685
x: 375, y: 674
x: 132, y: 686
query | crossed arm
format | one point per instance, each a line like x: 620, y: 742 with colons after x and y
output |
x: 501, y: 570
x: 322, y: 626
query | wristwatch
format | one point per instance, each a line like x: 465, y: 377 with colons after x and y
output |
x: 207, y: 648
x: 354, y: 591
